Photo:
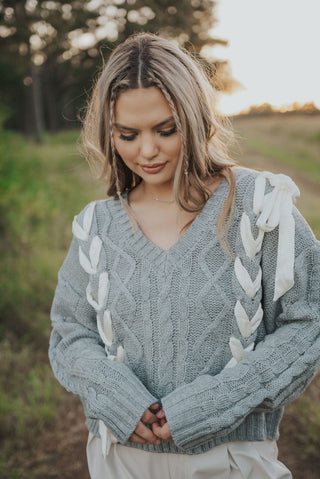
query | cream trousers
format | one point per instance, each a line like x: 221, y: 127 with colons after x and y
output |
x: 235, y: 460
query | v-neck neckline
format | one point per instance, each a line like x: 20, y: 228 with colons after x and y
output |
x: 130, y: 239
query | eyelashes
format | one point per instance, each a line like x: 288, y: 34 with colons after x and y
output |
x: 161, y: 133
x: 168, y: 132
x: 127, y: 138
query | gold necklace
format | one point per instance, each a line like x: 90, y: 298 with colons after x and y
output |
x: 163, y: 201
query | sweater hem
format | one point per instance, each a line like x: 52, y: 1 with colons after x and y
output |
x: 256, y: 427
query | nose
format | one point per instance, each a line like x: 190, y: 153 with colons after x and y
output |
x: 148, y: 147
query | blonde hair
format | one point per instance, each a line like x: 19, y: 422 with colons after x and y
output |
x: 146, y: 60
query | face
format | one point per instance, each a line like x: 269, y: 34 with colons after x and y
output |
x: 145, y: 135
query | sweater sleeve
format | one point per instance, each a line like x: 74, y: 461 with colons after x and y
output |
x: 109, y: 390
x: 280, y: 367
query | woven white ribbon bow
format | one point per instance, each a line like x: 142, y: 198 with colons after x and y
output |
x: 275, y: 209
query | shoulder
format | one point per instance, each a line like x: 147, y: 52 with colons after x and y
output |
x: 245, y: 181
x: 267, y: 198
x: 93, y: 218
x: 97, y: 206
x: 265, y: 195
x: 270, y: 221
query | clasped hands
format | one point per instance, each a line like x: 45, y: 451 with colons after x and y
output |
x: 152, y: 427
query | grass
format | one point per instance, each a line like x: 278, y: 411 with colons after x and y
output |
x: 288, y: 145
x: 302, y: 163
x: 42, y: 188
x: 29, y: 395
x: 307, y: 412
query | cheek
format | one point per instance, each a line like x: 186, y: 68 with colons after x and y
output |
x: 125, y: 150
x: 175, y: 147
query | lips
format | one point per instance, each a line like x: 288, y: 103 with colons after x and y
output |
x: 154, y: 168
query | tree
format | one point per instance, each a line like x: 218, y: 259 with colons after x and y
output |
x: 54, y: 48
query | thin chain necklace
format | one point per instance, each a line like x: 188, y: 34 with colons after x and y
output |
x: 163, y: 201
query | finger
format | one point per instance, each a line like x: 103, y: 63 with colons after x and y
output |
x: 144, y: 432
x: 135, y: 438
x: 163, y: 432
x: 155, y: 407
x: 148, y: 417
x: 161, y: 414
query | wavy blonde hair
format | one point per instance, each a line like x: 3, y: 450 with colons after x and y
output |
x: 146, y: 60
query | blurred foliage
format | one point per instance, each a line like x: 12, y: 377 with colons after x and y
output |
x: 306, y: 413
x: 40, y: 193
x: 29, y: 394
x: 295, y: 108
x: 35, y: 184
x: 50, y: 50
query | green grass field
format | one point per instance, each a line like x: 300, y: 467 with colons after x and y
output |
x: 42, y: 188
x: 290, y: 145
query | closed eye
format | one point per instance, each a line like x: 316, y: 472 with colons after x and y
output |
x: 168, y: 132
x: 161, y: 133
x: 127, y: 137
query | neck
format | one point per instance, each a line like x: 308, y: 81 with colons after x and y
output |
x: 157, y: 193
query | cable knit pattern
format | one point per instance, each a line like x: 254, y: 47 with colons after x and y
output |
x: 224, y: 342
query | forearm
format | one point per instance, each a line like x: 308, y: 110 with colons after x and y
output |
x: 275, y: 373
x: 109, y: 389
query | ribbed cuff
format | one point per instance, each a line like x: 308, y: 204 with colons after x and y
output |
x: 109, y: 391
x: 121, y: 414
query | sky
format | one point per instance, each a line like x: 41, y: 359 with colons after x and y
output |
x: 274, y: 51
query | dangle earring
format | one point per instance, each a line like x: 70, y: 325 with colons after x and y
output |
x: 186, y: 182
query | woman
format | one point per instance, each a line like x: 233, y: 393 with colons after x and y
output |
x: 187, y: 310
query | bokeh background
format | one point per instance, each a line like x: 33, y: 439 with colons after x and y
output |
x: 264, y: 62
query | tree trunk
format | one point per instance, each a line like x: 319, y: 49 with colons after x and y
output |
x: 50, y: 97
x: 37, y: 99
x: 33, y: 115
x: 28, y: 117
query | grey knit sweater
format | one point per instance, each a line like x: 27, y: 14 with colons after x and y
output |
x: 224, y: 342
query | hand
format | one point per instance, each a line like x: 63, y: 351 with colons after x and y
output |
x: 142, y: 433
x: 161, y: 429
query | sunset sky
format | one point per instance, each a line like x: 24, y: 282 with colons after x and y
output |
x: 274, y: 51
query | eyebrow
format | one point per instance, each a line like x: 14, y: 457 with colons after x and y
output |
x: 162, y: 123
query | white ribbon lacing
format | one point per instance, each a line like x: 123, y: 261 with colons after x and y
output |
x: 274, y: 209
x: 98, y: 301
